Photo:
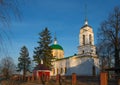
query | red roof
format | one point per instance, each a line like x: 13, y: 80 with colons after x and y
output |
x: 41, y: 67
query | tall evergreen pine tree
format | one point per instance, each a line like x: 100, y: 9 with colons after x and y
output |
x: 24, y: 61
x: 44, y: 52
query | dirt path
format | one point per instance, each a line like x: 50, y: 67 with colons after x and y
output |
x: 31, y: 84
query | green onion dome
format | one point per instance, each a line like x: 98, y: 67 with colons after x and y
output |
x: 56, y: 46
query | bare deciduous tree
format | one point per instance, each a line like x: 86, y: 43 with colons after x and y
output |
x: 9, y: 10
x: 7, y: 67
x: 109, y: 35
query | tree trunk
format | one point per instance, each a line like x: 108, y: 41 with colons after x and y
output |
x: 24, y: 73
x: 117, y: 64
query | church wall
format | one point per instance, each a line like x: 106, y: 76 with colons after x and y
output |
x: 60, y: 66
x: 97, y: 64
x: 75, y: 64
x: 58, y: 53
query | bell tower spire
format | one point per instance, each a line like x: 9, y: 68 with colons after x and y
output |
x: 55, y: 39
x: 86, y: 19
x: 86, y: 22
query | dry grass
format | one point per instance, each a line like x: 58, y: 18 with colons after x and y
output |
x: 52, y: 82
x: 10, y: 82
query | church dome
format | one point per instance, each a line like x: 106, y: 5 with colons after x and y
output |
x: 56, y: 46
x: 57, y: 50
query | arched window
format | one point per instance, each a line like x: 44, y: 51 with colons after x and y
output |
x: 90, y: 39
x: 83, y: 39
x: 57, y: 70
x: 53, y: 70
x: 61, y: 70
x: 83, y: 51
x: 65, y: 69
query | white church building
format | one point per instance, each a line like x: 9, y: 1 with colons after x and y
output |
x: 86, y: 62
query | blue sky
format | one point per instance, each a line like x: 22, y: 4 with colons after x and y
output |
x: 63, y: 17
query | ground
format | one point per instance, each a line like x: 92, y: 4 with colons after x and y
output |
x: 66, y: 81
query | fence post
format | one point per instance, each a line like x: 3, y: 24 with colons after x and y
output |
x: 33, y: 78
x: 74, y: 78
x: 58, y: 79
x: 29, y: 78
x: 118, y: 81
x: 103, y: 78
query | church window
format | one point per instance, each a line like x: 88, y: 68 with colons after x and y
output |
x: 53, y: 71
x: 57, y: 70
x: 65, y: 69
x: 91, y: 50
x: 83, y: 39
x: 90, y: 39
x: 93, y: 70
x: 83, y: 51
x: 61, y: 70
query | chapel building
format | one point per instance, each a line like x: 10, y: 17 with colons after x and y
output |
x: 85, y: 62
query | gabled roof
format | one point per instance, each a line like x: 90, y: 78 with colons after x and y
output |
x: 41, y: 67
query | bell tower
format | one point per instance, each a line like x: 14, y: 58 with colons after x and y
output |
x: 86, y: 41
